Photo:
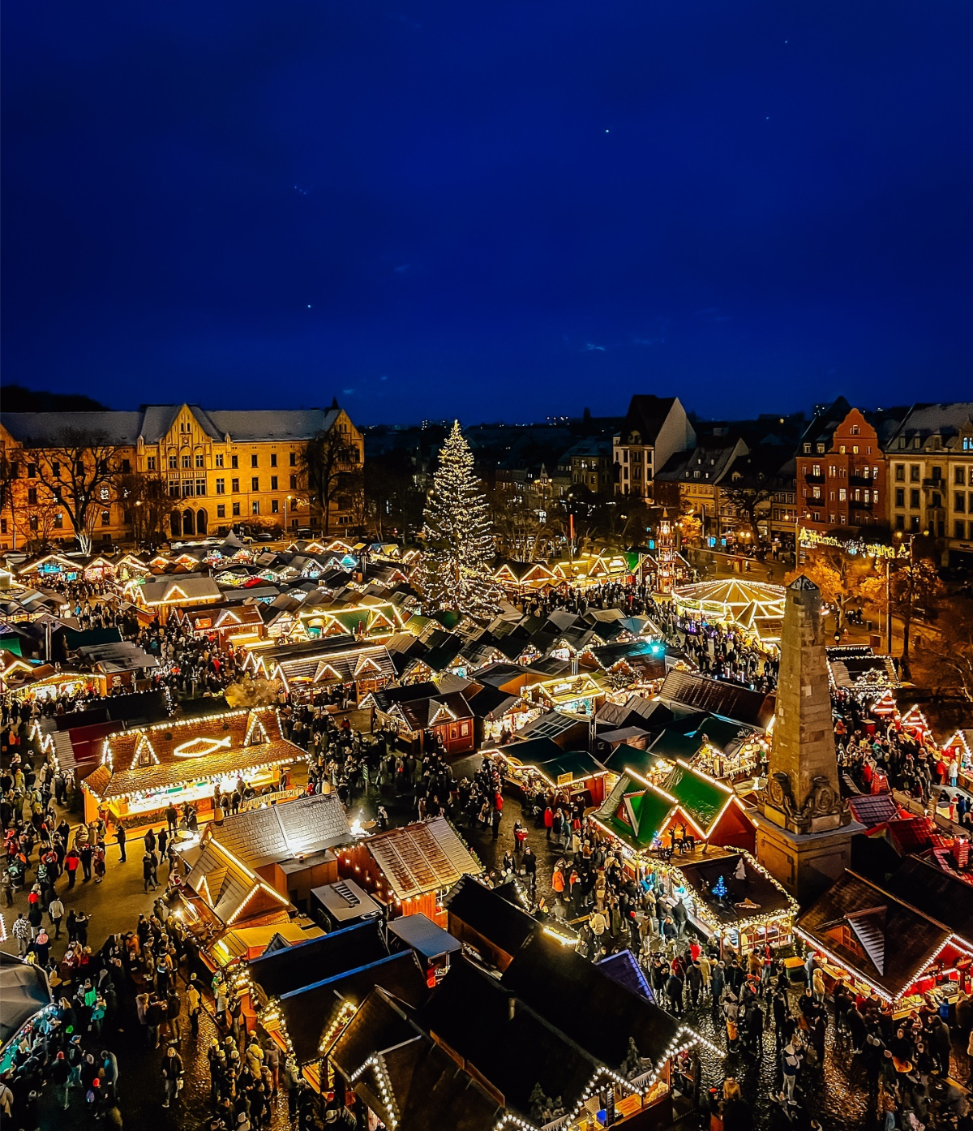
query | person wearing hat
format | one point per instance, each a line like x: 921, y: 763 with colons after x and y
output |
x: 60, y: 1072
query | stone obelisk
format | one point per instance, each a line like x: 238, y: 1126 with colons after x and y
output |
x: 804, y: 827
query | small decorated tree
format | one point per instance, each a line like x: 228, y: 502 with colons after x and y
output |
x: 458, y: 536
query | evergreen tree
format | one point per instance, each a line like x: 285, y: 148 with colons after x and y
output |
x: 458, y: 535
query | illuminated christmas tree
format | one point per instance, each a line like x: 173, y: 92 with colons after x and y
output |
x: 456, y: 562
x: 719, y: 888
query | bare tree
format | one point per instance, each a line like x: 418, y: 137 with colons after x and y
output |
x: 79, y: 471
x: 147, y: 503
x: 325, y: 461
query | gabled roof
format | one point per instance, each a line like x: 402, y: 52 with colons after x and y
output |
x: 553, y: 979
x: 284, y: 971
x: 646, y: 415
x: 490, y: 915
x: 229, y: 888
x: 311, y: 1012
x: 718, y: 697
x: 896, y: 941
x: 424, y: 857
x: 702, y: 797
x: 280, y: 832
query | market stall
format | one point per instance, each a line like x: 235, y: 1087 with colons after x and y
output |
x: 184, y: 761
x: 539, y: 763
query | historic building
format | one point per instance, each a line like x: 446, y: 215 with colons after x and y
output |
x: 219, y: 468
x: 930, y: 458
x: 654, y: 429
x: 842, y: 475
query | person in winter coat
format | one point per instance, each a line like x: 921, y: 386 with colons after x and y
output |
x: 172, y: 1071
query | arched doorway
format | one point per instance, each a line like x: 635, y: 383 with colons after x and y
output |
x: 187, y: 522
x: 175, y: 523
x: 201, y: 522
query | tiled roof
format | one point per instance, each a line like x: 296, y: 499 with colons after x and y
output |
x: 420, y: 858
x: 873, y: 809
x: 281, y: 832
x: 718, y: 697
x: 897, y: 942
x: 146, y: 759
x: 310, y: 1011
x: 229, y: 888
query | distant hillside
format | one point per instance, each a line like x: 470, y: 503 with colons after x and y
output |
x: 15, y: 398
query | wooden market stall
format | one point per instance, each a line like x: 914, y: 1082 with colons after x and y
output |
x: 878, y: 943
x: 540, y: 762
x: 180, y: 761
x: 410, y: 869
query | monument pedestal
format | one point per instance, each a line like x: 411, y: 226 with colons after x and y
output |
x: 806, y: 864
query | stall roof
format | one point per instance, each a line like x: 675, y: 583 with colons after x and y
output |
x: 345, y: 900
x: 718, y: 697
x: 894, y: 942
x: 630, y: 757
x: 578, y: 763
x: 310, y: 1011
x: 759, y: 894
x: 553, y: 979
x: 671, y: 745
x: 24, y: 990
x: 310, y: 962
x: 497, y: 919
x: 195, y: 749
x: 300, y: 827
x: 938, y: 895
x: 424, y: 936
x: 423, y: 857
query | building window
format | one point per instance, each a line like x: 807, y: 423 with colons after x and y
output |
x: 959, y: 502
x: 200, y: 487
x: 234, y: 461
x: 106, y: 518
x: 914, y: 500
x: 59, y: 521
x: 32, y: 522
x: 199, y: 459
x: 273, y: 459
x: 3, y: 526
x: 150, y: 463
x: 32, y: 496
x: 126, y: 466
x: 221, y: 486
x: 874, y: 497
x: 959, y: 476
x: 968, y: 443
x: 959, y: 528
x: 255, y: 507
x: 900, y: 522
x: 185, y: 461
x: 173, y: 463
x: 221, y: 510
x: 173, y: 488
x: 293, y: 459
x: 842, y: 495
x: 219, y: 459
x: 187, y: 488
x: 235, y: 486
x: 274, y: 506
x: 255, y: 483
x: 854, y: 449
x: 236, y: 510
x: 816, y: 469
x: 914, y: 473
x: 900, y: 496
x: 273, y: 482
x: 293, y: 482
x: 253, y: 461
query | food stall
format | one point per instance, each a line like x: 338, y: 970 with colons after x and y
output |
x: 145, y: 770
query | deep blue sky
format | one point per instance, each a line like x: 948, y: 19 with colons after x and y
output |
x: 495, y: 210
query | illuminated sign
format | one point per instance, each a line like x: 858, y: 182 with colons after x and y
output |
x: 200, y: 747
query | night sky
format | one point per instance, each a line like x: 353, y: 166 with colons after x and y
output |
x: 496, y: 211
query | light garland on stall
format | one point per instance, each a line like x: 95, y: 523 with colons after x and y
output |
x: 385, y: 1086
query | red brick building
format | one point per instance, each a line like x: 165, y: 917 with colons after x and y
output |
x: 842, y: 476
